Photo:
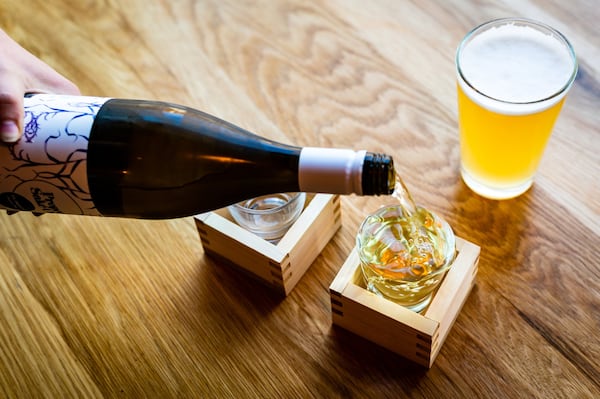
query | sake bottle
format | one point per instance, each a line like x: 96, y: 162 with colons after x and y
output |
x: 156, y: 160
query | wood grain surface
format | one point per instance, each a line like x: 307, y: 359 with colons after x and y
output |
x: 100, y: 307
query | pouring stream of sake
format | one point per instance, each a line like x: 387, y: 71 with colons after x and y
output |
x: 404, y: 198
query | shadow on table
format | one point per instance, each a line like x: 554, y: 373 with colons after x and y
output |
x: 498, y: 227
x: 370, y: 365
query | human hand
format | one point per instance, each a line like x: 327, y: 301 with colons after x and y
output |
x: 21, y: 72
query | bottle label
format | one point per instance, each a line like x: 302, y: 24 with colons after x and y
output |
x: 45, y: 171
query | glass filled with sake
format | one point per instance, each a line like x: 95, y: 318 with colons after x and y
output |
x: 405, y: 251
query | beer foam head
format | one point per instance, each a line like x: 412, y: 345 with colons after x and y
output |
x: 515, y: 63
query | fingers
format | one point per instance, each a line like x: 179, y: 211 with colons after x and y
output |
x: 20, y: 73
x: 11, y: 107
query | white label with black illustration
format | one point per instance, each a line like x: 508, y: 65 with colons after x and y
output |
x: 45, y: 171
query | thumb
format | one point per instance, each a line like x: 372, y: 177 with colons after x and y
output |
x: 11, y: 107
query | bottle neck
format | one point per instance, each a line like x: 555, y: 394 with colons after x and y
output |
x: 343, y: 171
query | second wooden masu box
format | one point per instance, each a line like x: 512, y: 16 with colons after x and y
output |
x: 416, y: 336
x: 278, y: 265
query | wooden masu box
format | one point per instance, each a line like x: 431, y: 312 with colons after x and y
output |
x: 279, y: 265
x: 416, y: 336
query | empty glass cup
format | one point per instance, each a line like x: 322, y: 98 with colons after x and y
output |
x: 269, y: 216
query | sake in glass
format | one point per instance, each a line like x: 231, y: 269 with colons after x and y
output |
x: 513, y: 75
x: 405, y: 251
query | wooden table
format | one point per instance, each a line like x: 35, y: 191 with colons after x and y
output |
x: 94, y: 307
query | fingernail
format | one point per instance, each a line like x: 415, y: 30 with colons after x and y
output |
x: 9, y: 131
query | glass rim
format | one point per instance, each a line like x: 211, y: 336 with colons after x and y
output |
x: 524, y: 21
x: 294, y: 197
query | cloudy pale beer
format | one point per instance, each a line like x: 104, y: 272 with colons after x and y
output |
x: 513, y: 76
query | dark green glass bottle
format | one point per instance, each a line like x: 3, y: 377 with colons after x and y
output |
x: 155, y: 160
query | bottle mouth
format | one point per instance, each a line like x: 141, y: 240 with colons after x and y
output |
x: 379, y: 175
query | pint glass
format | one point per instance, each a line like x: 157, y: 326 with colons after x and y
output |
x: 512, y: 78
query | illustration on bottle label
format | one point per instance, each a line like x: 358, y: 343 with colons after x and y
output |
x: 45, y: 171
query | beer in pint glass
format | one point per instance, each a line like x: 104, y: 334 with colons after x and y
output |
x: 513, y: 75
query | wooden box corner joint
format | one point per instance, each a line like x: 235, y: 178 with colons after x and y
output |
x: 279, y: 265
x: 415, y: 336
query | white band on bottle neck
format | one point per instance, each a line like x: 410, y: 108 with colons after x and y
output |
x: 329, y: 170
